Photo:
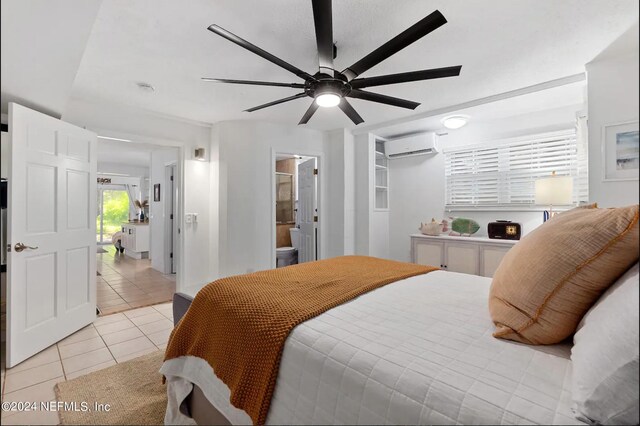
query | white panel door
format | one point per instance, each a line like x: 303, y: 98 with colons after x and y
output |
x: 306, y: 211
x: 462, y: 258
x: 51, y: 268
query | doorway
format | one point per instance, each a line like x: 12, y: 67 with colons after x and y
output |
x: 113, y: 210
x: 296, y: 203
x: 138, y: 189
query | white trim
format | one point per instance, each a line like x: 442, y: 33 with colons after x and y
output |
x: 571, y: 79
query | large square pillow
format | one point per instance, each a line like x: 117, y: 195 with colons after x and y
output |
x: 549, y: 279
x: 605, y: 357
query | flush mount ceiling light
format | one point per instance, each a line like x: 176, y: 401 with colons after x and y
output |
x: 455, y: 121
x: 146, y: 87
x: 327, y: 100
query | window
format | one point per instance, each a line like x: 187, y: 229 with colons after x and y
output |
x: 502, y: 174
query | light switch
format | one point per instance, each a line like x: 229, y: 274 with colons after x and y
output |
x: 188, y: 218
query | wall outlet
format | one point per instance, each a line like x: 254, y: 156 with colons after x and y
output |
x: 188, y: 218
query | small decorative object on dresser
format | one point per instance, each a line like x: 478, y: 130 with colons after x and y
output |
x: 431, y: 228
x: 504, y: 230
x: 463, y: 227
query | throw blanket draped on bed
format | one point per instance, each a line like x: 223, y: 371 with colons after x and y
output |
x: 239, y: 324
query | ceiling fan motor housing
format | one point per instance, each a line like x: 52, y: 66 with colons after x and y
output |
x: 325, y: 84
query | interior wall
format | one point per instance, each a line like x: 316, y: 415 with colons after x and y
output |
x: 199, y: 266
x: 417, y: 184
x: 613, y: 98
x: 160, y: 158
x: 242, y: 162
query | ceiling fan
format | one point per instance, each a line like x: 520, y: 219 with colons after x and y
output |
x: 329, y: 87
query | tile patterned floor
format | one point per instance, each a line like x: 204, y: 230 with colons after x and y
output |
x: 109, y: 340
x: 127, y: 283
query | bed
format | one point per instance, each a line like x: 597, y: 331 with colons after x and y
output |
x: 417, y: 351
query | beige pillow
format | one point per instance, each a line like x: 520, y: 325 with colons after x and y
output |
x: 550, y: 279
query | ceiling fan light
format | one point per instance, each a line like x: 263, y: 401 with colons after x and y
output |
x: 455, y: 121
x: 327, y: 100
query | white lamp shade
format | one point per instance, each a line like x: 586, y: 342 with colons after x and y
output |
x: 554, y: 190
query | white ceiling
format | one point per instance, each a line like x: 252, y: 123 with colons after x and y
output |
x: 570, y: 95
x: 42, y: 45
x: 502, y: 44
x: 125, y: 153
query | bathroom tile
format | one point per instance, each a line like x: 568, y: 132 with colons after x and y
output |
x: 114, y: 326
x: 36, y: 393
x: 32, y: 418
x: 139, y: 312
x: 109, y: 319
x: 120, y: 350
x: 86, y: 360
x: 133, y: 355
x: 88, y: 370
x: 46, y: 356
x: 33, y: 376
x: 160, y: 337
x: 144, y: 319
x: 85, y: 333
x: 73, y: 349
x: 122, y: 336
x: 152, y: 327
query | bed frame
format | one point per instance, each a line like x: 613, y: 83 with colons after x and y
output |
x: 196, y: 404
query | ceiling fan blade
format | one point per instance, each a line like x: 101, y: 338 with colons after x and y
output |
x: 255, y: 83
x: 309, y: 113
x: 255, y: 49
x: 399, y: 42
x: 405, y: 77
x: 322, y: 19
x: 346, y: 107
x: 279, y: 101
x: 383, y: 99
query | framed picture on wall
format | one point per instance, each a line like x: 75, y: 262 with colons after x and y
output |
x: 620, y: 151
x: 156, y: 192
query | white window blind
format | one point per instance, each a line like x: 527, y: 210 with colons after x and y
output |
x: 502, y: 175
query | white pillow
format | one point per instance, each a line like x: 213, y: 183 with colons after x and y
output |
x: 605, y: 356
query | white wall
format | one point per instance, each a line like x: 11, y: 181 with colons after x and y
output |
x: 148, y: 127
x: 242, y: 188
x: 613, y: 98
x: 417, y: 184
x: 160, y: 158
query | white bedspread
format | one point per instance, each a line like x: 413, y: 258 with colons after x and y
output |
x: 418, y: 351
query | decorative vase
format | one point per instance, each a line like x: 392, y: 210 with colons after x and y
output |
x: 141, y: 215
x: 433, y: 228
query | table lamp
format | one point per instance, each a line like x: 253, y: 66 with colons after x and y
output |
x: 554, y: 190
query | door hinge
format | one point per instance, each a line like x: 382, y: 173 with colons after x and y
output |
x: 171, y: 178
x: 8, y: 248
x: 315, y: 171
x: 171, y: 255
x: 171, y: 216
x: 315, y: 218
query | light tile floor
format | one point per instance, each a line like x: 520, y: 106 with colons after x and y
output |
x: 109, y: 340
x: 125, y: 283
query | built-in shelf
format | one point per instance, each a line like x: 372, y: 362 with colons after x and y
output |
x: 381, y: 182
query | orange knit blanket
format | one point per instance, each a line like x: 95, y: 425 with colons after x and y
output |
x: 239, y: 324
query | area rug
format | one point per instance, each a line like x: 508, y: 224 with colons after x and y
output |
x: 133, y: 390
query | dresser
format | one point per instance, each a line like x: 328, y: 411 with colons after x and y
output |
x: 469, y: 255
x: 135, y: 239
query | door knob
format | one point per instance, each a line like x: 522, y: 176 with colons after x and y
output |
x: 20, y: 247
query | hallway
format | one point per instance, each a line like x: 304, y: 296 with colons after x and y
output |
x: 124, y: 283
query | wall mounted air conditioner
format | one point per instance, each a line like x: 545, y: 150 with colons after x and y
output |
x: 409, y: 146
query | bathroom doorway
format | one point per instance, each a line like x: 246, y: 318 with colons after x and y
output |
x: 296, y: 209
